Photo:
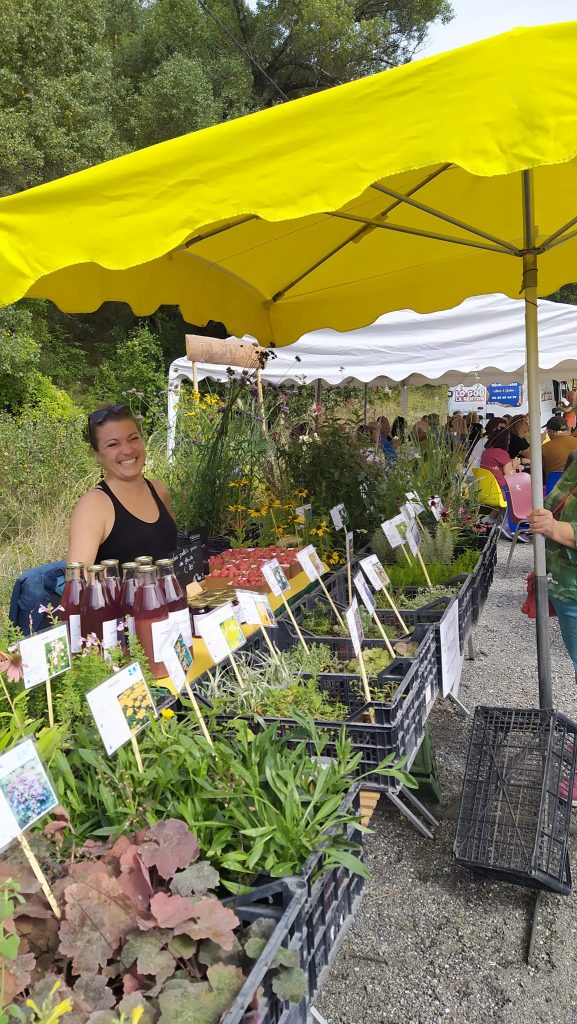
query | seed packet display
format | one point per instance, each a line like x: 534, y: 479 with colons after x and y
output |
x: 340, y: 517
x: 121, y: 706
x: 177, y: 658
x: 311, y: 563
x: 305, y: 514
x: 355, y: 626
x: 221, y: 632
x: 44, y: 655
x: 395, y: 530
x: 26, y: 792
x: 275, y: 577
x: 375, y: 572
x: 255, y: 608
x: 364, y: 592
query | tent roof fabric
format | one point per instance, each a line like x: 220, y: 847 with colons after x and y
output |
x: 483, y: 340
x: 289, y: 219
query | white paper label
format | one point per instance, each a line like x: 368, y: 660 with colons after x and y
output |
x: 408, y: 514
x: 159, y: 632
x: 181, y: 620
x: 375, y: 572
x: 436, y: 506
x: 44, y: 655
x: 26, y: 793
x: 349, y: 545
x: 305, y: 514
x: 310, y: 562
x: 221, y: 632
x: 110, y: 634
x: 131, y: 625
x: 121, y: 706
x: 414, y: 537
x: 451, y: 657
x: 177, y: 657
x: 75, y: 634
x: 255, y: 607
x: 395, y: 530
x: 415, y: 502
x: 364, y: 592
x: 275, y: 577
x: 355, y: 626
x: 339, y: 516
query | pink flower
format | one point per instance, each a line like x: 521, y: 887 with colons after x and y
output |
x: 11, y: 664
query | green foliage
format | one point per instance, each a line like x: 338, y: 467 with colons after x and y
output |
x: 404, y: 575
x: 19, y: 355
x: 320, y: 621
x: 135, y: 373
x: 132, y: 913
x: 438, y: 547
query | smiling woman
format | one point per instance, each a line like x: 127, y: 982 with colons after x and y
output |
x: 125, y: 515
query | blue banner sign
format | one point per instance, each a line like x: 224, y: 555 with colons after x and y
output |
x: 505, y: 394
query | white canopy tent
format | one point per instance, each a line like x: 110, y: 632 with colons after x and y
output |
x: 482, y: 341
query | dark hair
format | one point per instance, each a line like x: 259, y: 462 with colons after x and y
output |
x: 399, y: 427
x: 108, y: 413
x: 499, y: 439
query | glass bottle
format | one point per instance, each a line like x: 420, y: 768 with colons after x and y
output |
x: 128, y: 589
x: 70, y: 604
x: 151, y: 618
x: 97, y: 614
x: 112, y: 580
x: 175, y: 597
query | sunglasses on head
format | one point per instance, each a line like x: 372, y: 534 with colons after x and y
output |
x: 97, y: 418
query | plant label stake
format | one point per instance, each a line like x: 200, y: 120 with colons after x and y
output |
x: 137, y: 755
x: 369, y: 603
x: 26, y: 796
x: 198, y: 713
x: 415, y: 504
x: 44, y: 656
x: 356, y: 631
x: 313, y: 567
x: 340, y: 517
x: 379, y: 579
x: 349, y: 542
x: 222, y: 635
x: 414, y: 538
x: 256, y: 611
x: 121, y: 706
x: 395, y: 532
x: 279, y: 584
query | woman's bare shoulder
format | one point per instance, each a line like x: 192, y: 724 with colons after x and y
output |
x: 92, y: 501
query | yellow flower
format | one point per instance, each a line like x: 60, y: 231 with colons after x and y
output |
x: 167, y: 713
x: 301, y: 493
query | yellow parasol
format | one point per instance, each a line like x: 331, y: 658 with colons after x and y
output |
x: 414, y: 188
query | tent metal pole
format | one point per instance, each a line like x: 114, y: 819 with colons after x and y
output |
x: 365, y: 403
x: 318, y: 395
x: 530, y: 276
x: 404, y: 397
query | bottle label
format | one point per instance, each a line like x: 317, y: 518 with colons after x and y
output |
x: 110, y: 634
x: 75, y: 634
x: 131, y: 625
x: 159, y: 631
x: 181, y: 620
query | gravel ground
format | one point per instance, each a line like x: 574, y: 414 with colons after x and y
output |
x: 432, y: 941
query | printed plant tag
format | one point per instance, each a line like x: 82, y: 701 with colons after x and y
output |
x: 415, y: 502
x: 340, y: 517
x: 355, y: 626
x: 310, y: 562
x: 349, y: 545
x: 414, y: 537
x: 395, y: 530
x: 375, y: 572
x: 275, y: 577
x: 255, y: 608
x: 436, y: 506
x: 408, y: 513
x: 122, y: 705
x: 364, y: 592
x: 44, y: 655
x: 305, y: 514
x: 221, y: 632
x: 26, y: 792
x: 177, y: 658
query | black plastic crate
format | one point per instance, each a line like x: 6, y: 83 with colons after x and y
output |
x: 431, y: 615
x: 516, y: 802
x: 331, y: 904
x: 282, y: 901
x: 342, y: 646
x: 468, y: 595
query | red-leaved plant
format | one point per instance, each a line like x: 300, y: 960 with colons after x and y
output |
x: 141, y: 926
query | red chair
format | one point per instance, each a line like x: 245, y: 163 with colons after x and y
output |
x: 519, y: 504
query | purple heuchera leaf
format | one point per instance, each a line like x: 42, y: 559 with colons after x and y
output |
x: 211, y: 921
x: 169, y: 845
x: 170, y: 911
x: 97, y: 917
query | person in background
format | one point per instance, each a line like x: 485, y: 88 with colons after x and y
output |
x: 126, y: 514
x: 569, y: 414
x: 386, y: 441
x: 366, y: 436
x: 474, y: 427
x: 420, y: 432
x: 519, y: 439
x: 557, y: 522
x: 434, y: 423
x: 496, y: 456
x: 561, y: 443
x: 399, y: 428
x: 459, y: 432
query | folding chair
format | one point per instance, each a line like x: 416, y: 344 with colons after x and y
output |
x: 519, y: 504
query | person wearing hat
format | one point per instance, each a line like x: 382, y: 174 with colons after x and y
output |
x: 561, y: 444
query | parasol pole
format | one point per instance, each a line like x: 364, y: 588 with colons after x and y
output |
x: 530, y: 275
x: 404, y: 397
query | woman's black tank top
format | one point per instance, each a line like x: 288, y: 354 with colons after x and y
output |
x: 131, y: 537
